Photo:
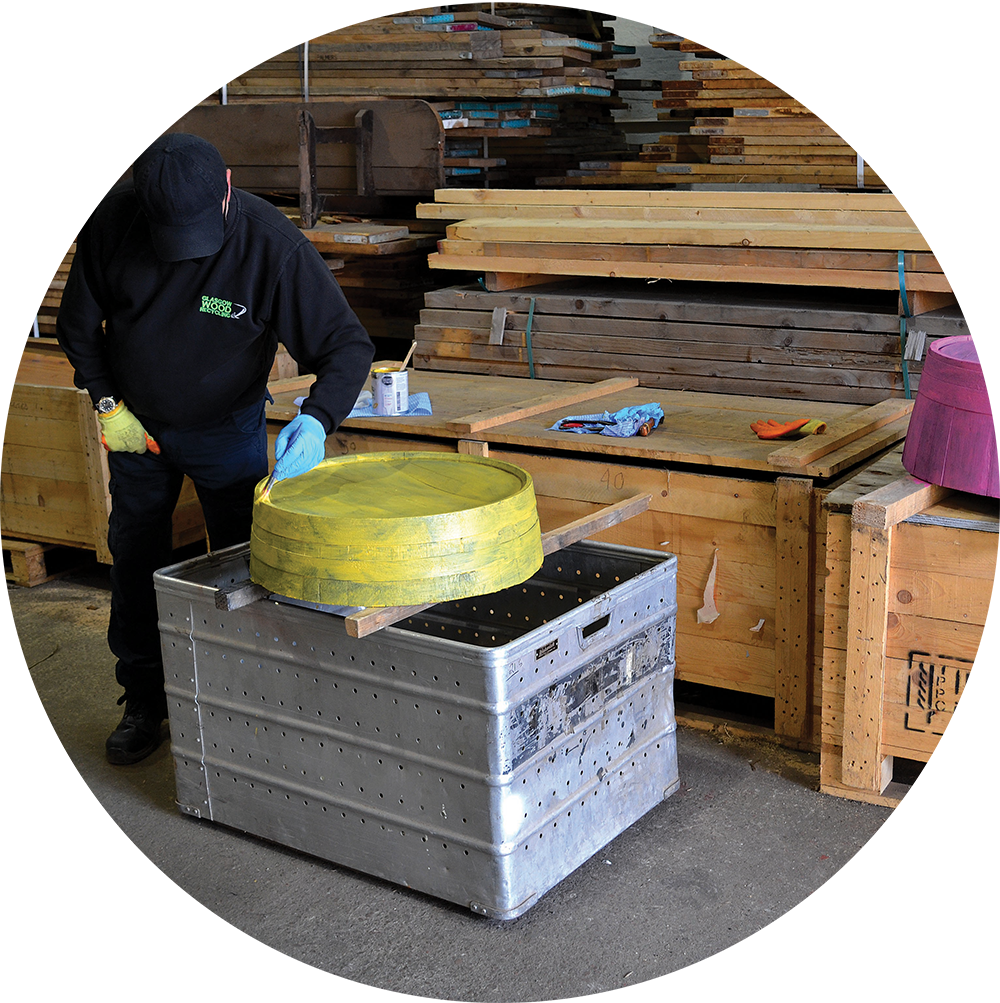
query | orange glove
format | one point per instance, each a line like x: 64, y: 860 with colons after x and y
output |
x: 795, y: 429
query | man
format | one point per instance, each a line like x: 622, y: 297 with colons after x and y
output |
x: 180, y: 290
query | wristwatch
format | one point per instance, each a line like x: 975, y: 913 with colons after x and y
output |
x: 106, y: 405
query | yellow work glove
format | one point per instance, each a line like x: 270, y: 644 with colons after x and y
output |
x: 122, y: 432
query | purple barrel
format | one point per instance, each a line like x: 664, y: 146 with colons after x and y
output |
x: 951, y: 439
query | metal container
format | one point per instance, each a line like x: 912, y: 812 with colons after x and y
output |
x: 390, y: 391
x: 479, y: 751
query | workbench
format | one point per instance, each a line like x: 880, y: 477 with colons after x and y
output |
x: 742, y: 515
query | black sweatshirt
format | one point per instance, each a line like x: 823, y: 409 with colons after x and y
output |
x: 188, y: 342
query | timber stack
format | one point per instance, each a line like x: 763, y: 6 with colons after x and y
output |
x: 750, y: 342
x: 842, y: 240
x: 731, y: 126
x: 509, y: 89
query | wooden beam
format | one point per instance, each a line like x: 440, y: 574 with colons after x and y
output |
x: 374, y: 618
x: 97, y: 474
x: 793, y: 634
x: 863, y: 765
x: 538, y: 405
x: 805, y: 451
x: 873, y: 518
x: 892, y: 503
x: 498, y: 282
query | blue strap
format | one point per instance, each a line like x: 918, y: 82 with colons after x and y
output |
x: 527, y: 339
x: 902, y: 326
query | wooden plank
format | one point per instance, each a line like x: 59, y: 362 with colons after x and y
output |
x: 787, y: 391
x: 874, y: 517
x: 793, y: 655
x: 500, y: 416
x: 97, y: 477
x: 649, y: 357
x: 863, y: 763
x: 892, y: 503
x: 368, y: 621
x: 472, y: 447
x: 586, y: 526
x: 610, y: 300
x: 807, y: 450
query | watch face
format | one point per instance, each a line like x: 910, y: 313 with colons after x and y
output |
x: 106, y: 404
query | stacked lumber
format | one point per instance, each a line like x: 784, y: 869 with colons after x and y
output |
x: 718, y: 237
x: 495, y: 81
x: 426, y: 56
x: 731, y: 126
x: 33, y: 273
x: 382, y: 268
x: 772, y: 343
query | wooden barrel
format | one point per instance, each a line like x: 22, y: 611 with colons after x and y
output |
x: 396, y: 529
x: 951, y: 438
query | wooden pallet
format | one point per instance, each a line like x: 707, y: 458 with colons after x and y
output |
x: 29, y: 564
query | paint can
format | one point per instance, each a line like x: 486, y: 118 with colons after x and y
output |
x: 391, y: 391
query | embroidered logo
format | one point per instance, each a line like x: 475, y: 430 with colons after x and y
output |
x: 222, y: 308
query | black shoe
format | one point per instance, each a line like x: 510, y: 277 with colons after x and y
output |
x: 138, y: 734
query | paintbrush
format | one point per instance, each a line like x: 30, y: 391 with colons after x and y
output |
x: 267, y: 486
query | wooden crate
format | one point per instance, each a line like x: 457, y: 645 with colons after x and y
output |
x: 54, y: 486
x: 720, y: 500
x: 910, y: 570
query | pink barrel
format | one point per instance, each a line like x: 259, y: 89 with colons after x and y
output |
x: 951, y: 438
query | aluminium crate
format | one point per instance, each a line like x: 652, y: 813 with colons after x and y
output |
x: 479, y: 751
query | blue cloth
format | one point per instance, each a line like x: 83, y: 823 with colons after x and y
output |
x: 226, y: 459
x: 622, y: 423
x: 419, y: 404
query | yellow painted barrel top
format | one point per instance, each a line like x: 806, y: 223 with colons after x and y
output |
x: 396, y: 486
x: 396, y: 528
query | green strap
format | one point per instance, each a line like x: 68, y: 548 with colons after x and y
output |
x: 527, y: 339
x: 902, y: 326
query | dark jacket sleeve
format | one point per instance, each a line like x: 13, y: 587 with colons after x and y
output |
x: 79, y: 324
x: 314, y: 321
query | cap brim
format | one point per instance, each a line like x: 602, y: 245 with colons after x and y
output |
x: 193, y: 240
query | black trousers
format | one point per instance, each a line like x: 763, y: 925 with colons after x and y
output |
x: 225, y: 460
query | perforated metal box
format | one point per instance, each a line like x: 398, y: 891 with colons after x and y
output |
x: 480, y: 751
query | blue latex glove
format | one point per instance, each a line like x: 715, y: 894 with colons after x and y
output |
x: 300, y: 445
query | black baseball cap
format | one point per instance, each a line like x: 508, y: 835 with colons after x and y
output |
x: 180, y: 182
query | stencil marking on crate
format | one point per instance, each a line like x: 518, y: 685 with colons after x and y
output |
x: 933, y: 687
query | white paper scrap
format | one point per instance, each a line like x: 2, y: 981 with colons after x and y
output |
x: 708, y: 613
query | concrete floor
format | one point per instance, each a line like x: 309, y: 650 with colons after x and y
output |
x: 745, y: 839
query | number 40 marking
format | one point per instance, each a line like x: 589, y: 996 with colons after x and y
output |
x: 612, y: 479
